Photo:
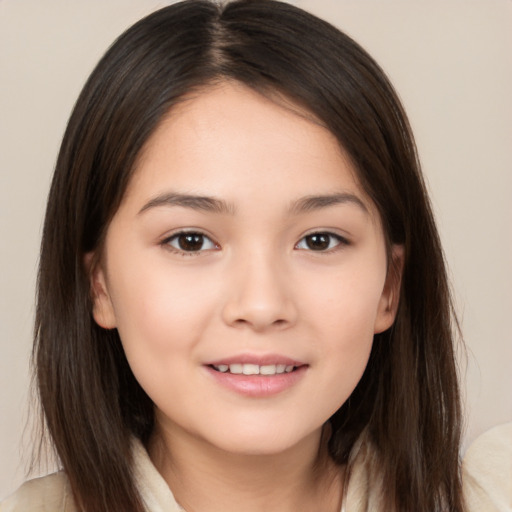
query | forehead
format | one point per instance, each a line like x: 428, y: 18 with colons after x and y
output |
x: 233, y: 140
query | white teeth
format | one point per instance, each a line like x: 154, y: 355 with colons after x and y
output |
x: 251, y: 369
x: 236, y: 368
x: 254, y: 369
x: 269, y: 369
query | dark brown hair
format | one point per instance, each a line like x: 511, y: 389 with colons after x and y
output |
x: 407, y: 402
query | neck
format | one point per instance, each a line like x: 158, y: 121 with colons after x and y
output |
x: 205, y: 478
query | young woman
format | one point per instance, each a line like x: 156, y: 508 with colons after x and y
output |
x: 242, y: 299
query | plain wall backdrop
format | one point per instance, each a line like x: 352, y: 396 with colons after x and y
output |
x: 450, y: 61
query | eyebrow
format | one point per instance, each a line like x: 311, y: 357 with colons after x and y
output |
x: 205, y: 203
x: 215, y: 205
x: 311, y: 203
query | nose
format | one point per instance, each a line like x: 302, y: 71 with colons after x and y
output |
x: 259, y: 295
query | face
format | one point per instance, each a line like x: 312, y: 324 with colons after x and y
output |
x: 246, y: 273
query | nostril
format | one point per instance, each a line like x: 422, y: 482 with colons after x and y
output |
x: 247, y: 308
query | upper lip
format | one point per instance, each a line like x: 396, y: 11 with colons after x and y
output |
x: 260, y: 360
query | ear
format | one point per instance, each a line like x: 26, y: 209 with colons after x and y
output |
x: 388, y: 304
x: 102, y: 308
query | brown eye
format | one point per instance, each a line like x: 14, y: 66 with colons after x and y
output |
x: 320, y: 242
x: 190, y: 242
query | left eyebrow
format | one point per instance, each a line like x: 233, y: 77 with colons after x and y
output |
x: 205, y: 203
x: 309, y: 203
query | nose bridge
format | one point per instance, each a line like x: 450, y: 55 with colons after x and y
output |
x: 259, y: 293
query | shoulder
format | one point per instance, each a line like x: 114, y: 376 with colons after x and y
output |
x: 46, y: 494
x: 363, y: 478
x: 487, y: 471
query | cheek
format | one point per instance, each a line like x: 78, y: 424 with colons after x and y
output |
x: 160, y: 323
x: 160, y: 315
x: 343, y: 311
x: 345, y: 352
x: 346, y: 302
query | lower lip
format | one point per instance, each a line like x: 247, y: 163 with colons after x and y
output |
x: 258, y: 386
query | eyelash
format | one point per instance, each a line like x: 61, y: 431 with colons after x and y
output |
x: 167, y: 242
x: 338, y: 239
x: 201, y: 238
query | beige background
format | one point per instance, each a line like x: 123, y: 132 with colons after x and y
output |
x: 451, y: 63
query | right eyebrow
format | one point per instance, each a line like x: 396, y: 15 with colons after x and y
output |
x: 204, y: 203
x: 310, y: 203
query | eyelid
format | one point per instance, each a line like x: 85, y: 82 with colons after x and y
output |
x: 165, y: 242
x: 342, y: 241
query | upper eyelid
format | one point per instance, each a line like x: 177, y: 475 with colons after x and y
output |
x: 167, y: 244
x: 181, y: 231
x: 328, y: 231
x: 165, y: 241
x: 342, y: 242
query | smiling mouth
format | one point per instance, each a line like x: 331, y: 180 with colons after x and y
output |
x: 254, y: 369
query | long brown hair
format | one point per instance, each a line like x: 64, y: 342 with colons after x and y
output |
x: 407, y: 401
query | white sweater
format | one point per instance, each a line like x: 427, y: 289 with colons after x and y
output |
x: 487, y: 482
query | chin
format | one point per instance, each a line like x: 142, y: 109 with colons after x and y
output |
x: 262, y: 442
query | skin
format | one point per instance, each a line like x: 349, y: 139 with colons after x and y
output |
x: 255, y: 287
